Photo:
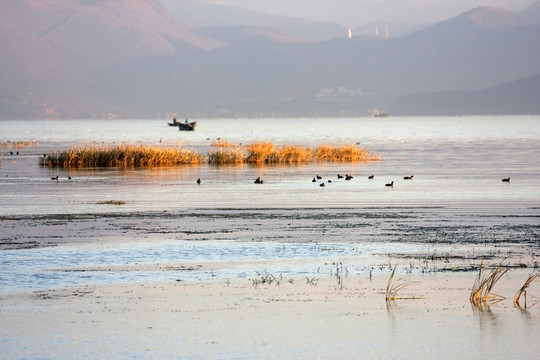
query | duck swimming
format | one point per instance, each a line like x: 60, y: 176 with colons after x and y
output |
x: 390, y: 184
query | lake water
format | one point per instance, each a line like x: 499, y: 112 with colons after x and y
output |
x: 456, y: 196
x: 54, y: 234
x: 454, y: 160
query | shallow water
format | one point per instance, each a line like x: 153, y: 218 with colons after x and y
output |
x: 54, y: 235
x: 457, y: 163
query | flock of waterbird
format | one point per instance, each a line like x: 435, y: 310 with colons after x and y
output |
x: 347, y: 177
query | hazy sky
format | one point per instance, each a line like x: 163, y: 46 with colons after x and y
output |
x: 360, y: 12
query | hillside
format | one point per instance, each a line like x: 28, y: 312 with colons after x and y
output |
x: 49, y: 49
x: 131, y: 58
x: 200, y: 15
x: 517, y: 97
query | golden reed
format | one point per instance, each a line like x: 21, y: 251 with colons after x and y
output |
x: 220, y: 154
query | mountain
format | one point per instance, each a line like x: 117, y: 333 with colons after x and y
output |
x: 203, y: 15
x: 518, y: 97
x: 532, y: 12
x: 379, y: 28
x: 74, y: 58
x: 49, y: 49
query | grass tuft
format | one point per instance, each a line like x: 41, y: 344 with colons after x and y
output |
x: 523, y: 290
x: 482, y: 289
x: 394, y: 287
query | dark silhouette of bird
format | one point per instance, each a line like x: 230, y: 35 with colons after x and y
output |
x: 69, y: 177
x: 54, y: 177
x: 258, y: 180
x: 371, y: 177
x: 314, y: 180
x: 329, y: 181
x: 408, y: 177
x: 348, y: 177
x: 390, y: 184
x: 199, y: 181
x: 339, y: 176
x: 319, y: 177
x: 506, y: 180
x: 322, y: 185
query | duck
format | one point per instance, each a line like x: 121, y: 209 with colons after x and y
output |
x: 348, y: 177
x: 329, y: 181
x: 258, y: 180
x: 339, y: 176
x: 314, y: 180
x: 322, y: 185
x: 319, y: 177
x: 390, y: 184
x: 199, y: 181
x: 408, y: 177
x: 371, y: 177
x: 54, y: 177
x: 69, y: 177
x: 506, y: 180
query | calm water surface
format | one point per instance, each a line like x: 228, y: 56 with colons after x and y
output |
x: 456, y: 204
x: 454, y: 160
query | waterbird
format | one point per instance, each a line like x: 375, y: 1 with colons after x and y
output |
x: 54, y: 177
x: 506, y: 180
x: 69, y: 177
x: 390, y: 184
x: 339, y: 176
x: 314, y: 180
x: 322, y: 185
x: 258, y: 180
x: 371, y: 177
x: 329, y: 181
x: 408, y: 177
x: 199, y: 181
x: 319, y: 177
x: 348, y: 177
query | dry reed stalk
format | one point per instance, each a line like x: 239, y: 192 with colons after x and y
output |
x: 222, y: 143
x: 125, y: 155
x: 394, y: 287
x: 226, y: 156
x: 259, y: 152
x: 523, y: 290
x: 121, y: 155
x: 345, y: 153
x: 484, y: 283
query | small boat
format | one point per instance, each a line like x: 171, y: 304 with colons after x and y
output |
x: 183, y: 126
x: 376, y: 113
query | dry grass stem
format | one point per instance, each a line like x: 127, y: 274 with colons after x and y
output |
x: 482, y: 289
x: 394, y: 287
x: 523, y: 291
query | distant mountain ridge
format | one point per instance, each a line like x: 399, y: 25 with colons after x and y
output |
x: 517, y: 97
x: 131, y: 58
x: 200, y: 15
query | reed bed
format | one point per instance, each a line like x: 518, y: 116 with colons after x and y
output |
x: 482, y: 289
x: 223, y: 156
x: 18, y: 144
x: 121, y: 155
x: 223, y: 143
x: 221, y: 153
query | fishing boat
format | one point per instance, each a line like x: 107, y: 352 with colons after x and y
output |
x: 184, y: 126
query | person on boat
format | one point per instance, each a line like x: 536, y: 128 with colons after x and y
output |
x: 174, y: 120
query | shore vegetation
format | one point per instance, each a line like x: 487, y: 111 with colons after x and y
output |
x: 220, y: 153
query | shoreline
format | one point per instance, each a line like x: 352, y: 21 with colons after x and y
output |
x: 220, y: 319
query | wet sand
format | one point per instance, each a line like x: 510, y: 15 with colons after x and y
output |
x: 295, y: 319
